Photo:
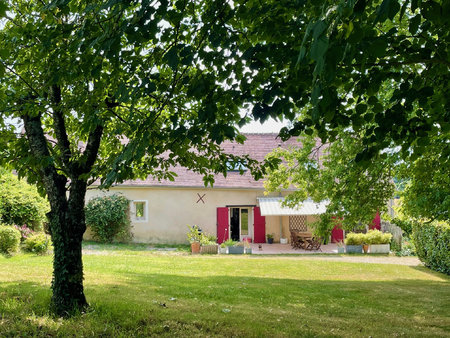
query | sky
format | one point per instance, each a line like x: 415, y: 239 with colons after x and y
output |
x: 269, y: 126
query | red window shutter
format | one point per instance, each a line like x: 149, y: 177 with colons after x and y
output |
x: 259, y: 226
x: 223, y: 228
x: 376, y: 223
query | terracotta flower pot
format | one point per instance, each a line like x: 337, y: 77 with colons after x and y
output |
x: 366, y: 248
x: 195, y: 247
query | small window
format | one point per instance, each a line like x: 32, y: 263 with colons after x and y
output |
x: 140, y: 210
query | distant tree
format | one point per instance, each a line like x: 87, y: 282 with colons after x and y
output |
x: 328, y: 172
x: 111, y: 91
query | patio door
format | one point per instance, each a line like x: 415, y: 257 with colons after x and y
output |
x: 240, y: 223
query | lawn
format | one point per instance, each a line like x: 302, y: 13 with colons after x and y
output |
x: 144, y: 293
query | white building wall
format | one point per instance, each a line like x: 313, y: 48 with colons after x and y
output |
x: 170, y: 210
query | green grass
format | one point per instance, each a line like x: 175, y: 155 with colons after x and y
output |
x: 150, y: 293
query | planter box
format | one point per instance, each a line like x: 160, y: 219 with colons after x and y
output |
x: 248, y: 251
x: 236, y: 250
x: 209, y: 249
x: 222, y: 251
x: 341, y: 250
x: 353, y: 248
x: 380, y: 248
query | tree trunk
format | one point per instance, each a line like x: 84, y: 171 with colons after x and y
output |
x: 67, y: 226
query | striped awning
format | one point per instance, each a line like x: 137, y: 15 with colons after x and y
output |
x: 272, y: 206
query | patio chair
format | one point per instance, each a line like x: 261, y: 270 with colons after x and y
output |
x: 314, y: 243
x: 296, y: 241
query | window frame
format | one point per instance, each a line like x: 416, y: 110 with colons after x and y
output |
x: 133, y: 210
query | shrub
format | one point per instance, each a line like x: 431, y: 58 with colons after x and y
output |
x: 208, y: 239
x: 377, y: 237
x: 230, y: 242
x: 194, y: 234
x: 9, y: 239
x: 38, y: 243
x: 354, y: 239
x: 20, y: 202
x: 432, y: 245
x: 109, y: 219
x: 25, y: 232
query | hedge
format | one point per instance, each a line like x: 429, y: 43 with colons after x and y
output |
x: 432, y: 241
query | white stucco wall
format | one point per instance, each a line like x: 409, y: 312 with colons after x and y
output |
x: 170, y: 210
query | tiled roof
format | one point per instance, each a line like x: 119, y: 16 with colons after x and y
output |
x: 257, y: 146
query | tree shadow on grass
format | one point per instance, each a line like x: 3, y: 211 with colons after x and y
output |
x: 167, y: 304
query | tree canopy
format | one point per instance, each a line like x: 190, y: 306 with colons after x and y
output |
x: 111, y: 91
x: 333, y: 59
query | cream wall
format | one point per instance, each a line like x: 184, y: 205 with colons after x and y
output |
x: 170, y: 210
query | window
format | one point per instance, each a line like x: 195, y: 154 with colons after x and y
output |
x: 244, y: 222
x: 140, y: 210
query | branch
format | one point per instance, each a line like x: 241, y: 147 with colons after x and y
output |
x: 20, y: 77
x: 60, y: 126
x: 90, y: 153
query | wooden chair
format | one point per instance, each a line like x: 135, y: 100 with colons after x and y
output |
x: 314, y: 243
x: 296, y: 241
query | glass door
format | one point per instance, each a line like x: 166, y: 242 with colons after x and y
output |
x: 244, y: 223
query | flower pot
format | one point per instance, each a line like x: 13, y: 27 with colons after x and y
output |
x: 283, y: 241
x: 380, y: 248
x: 270, y: 240
x: 366, y: 248
x: 236, y: 250
x: 222, y: 251
x: 195, y: 247
x: 341, y: 250
x: 353, y: 248
x: 248, y: 251
x: 209, y: 249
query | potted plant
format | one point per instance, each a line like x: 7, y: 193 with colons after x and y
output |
x: 379, y: 241
x: 208, y: 244
x: 194, y: 237
x: 353, y: 243
x: 365, y: 243
x: 269, y: 238
x: 247, y: 247
x: 222, y: 248
x: 341, y: 248
x: 236, y: 249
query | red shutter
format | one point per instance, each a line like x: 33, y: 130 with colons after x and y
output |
x: 376, y: 223
x: 337, y: 234
x: 223, y: 227
x: 259, y: 226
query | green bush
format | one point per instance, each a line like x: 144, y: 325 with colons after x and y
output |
x: 109, y: 219
x: 194, y: 234
x: 354, y: 239
x: 432, y: 241
x: 20, y: 202
x: 377, y: 237
x: 9, y: 239
x: 38, y: 243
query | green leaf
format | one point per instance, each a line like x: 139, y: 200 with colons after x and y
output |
x: 387, y: 9
x: 414, y: 24
x: 319, y: 48
x: 171, y: 57
x: 3, y: 8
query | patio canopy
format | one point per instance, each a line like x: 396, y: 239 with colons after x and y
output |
x: 272, y: 206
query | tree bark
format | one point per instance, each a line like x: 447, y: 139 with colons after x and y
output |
x: 66, y: 218
x: 67, y: 226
